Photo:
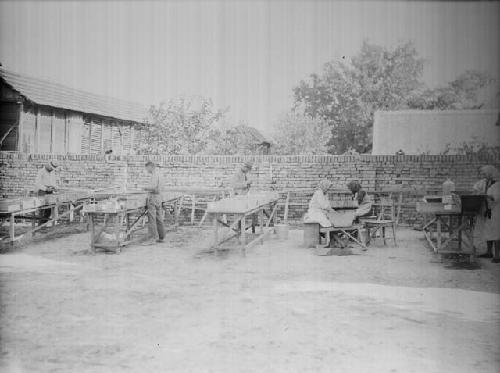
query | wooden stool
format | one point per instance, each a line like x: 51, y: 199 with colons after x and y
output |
x: 311, y: 235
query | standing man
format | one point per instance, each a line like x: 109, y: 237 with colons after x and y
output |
x: 155, y: 219
x: 45, y: 183
x: 240, y: 183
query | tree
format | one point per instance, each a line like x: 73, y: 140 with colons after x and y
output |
x: 180, y: 126
x: 345, y: 95
x: 462, y: 93
x: 226, y: 140
x: 298, y: 133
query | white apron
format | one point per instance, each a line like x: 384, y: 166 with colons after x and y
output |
x: 319, y: 207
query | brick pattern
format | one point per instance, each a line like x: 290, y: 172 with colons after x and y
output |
x: 280, y: 173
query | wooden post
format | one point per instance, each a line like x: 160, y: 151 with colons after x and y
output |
x: 459, y: 232
x: 193, y: 208
x: 12, y: 228
x: 261, y: 225
x: 55, y: 214
x: 398, y: 212
x: 216, y: 233
x: 102, y: 137
x: 118, y: 220
x: 33, y: 224
x: 52, y: 132
x: 438, y: 229
x: 20, y: 132
x: 285, y: 215
x: 37, y: 129
x: 66, y: 133
x: 92, y: 233
x: 243, y: 237
x: 127, y: 217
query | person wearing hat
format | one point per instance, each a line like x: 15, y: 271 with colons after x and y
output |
x: 319, y: 206
x: 488, y: 221
x: 241, y: 183
x: 45, y: 183
x: 361, y: 197
x: 155, y: 219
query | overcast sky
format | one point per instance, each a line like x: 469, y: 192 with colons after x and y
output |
x: 244, y: 54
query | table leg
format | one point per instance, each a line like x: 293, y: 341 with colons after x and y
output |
x: 459, y: 233
x: 193, y: 208
x: 12, y: 234
x: 243, y: 236
x: 92, y: 233
x: 55, y: 214
x: 261, y: 226
x: 127, y: 218
x: 438, y: 229
x: 215, y: 223
x: 33, y: 224
x: 118, y: 223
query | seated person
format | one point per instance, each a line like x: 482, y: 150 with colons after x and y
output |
x: 362, y: 198
x: 319, y: 206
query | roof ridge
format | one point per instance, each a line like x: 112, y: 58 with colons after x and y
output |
x: 28, y: 77
x: 48, y: 93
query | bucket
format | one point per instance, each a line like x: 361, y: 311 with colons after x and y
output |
x: 281, y: 231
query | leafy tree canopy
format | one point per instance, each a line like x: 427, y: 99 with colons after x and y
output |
x: 346, y: 94
x: 298, y: 133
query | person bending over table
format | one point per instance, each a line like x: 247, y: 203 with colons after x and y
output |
x: 155, y: 220
x: 320, y: 210
x: 45, y: 183
x: 319, y: 206
x: 362, y: 198
x: 488, y: 221
x: 241, y: 183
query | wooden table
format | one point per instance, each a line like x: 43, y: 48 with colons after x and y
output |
x: 31, y: 214
x: 448, y: 222
x: 197, y: 197
x: 124, y: 222
x: 115, y: 220
x: 265, y: 209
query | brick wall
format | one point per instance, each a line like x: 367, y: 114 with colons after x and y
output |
x: 18, y: 171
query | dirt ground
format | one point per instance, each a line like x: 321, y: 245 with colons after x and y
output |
x: 281, y: 309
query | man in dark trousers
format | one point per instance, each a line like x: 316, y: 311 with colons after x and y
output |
x: 45, y: 183
x: 155, y: 219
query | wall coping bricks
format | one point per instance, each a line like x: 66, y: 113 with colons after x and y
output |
x: 230, y: 159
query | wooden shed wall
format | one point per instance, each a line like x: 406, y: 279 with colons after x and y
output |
x: 98, y: 136
x: 9, y: 116
x: 50, y: 131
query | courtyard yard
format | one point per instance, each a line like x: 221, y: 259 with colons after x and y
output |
x: 281, y: 309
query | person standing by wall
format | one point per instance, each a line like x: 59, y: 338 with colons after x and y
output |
x: 488, y: 221
x: 155, y: 219
x: 46, y: 183
x: 241, y: 183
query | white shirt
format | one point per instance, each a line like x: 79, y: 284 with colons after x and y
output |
x: 154, y: 183
x: 45, y: 179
